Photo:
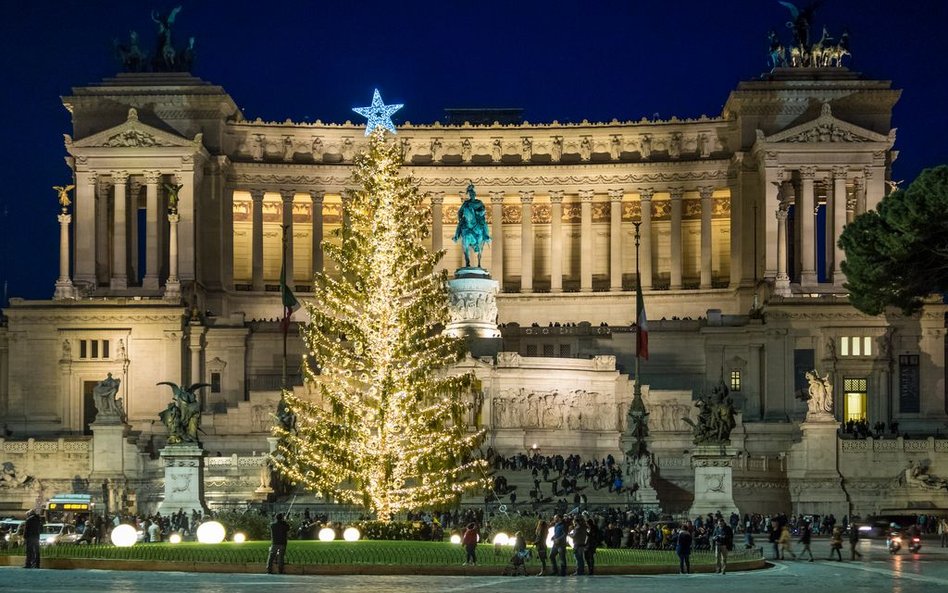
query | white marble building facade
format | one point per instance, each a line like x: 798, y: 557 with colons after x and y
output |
x: 739, y: 217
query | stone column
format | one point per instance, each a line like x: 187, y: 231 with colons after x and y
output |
x: 173, y: 284
x: 645, y: 239
x: 64, y: 287
x: 497, y: 237
x: 839, y: 221
x: 706, y: 205
x: 195, y: 344
x: 773, y: 183
x: 287, y: 195
x: 150, y: 281
x: 256, y: 249
x: 875, y: 186
x: 135, y: 192
x: 84, y: 209
x: 615, y: 239
x: 119, y: 280
x: 782, y: 286
x: 676, y: 195
x: 556, y: 241
x: 317, y: 233
x: 585, y: 240
x: 437, y: 224
x: 227, y: 238
x: 807, y: 221
x: 437, y: 221
x: 859, y: 191
x: 102, y: 259
x: 187, y: 246
x: 526, y: 241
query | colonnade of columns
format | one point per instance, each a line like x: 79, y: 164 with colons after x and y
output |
x: 287, y: 197
x: 528, y: 249
x: 586, y: 232
x: 107, y: 229
x: 797, y: 188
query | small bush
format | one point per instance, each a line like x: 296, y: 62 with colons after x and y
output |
x: 395, y: 530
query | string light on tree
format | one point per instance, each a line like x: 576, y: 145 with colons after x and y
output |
x: 388, y: 426
x: 378, y: 114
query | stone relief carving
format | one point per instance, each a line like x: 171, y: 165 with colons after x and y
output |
x: 508, y: 359
x: 10, y: 479
x: 605, y: 362
x: 132, y: 138
x: 468, y: 306
x: 715, y: 482
x: 576, y: 409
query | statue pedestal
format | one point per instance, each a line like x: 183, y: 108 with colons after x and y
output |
x: 184, y: 479
x: 108, y: 447
x: 714, y: 490
x: 815, y: 481
x: 473, y: 311
x: 639, y: 471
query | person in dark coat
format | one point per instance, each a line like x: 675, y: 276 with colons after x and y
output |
x: 279, y: 532
x: 32, y: 528
x: 683, y: 549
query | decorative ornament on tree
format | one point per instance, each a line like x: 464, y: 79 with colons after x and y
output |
x: 378, y: 114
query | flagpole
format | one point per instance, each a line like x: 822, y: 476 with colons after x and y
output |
x: 283, y: 324
x: 637, y: 385
x: 638, y: 417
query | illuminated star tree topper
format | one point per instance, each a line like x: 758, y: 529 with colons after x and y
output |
x: 378, y: 114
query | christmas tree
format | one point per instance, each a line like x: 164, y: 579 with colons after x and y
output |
x: 388, y: 426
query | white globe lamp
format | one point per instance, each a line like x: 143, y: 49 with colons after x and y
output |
x: 211, y: 532
x: 124, y: 536
x: 351, y: 534
x: 327, y: 534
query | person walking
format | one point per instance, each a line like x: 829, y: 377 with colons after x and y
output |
x: 593, y: 541
x: 469, y: 540
x: 854, y: 542
x: 558, y: 551
x: 723, y: 538
x: 806, y: 537
x: 943, y: 530
x: 580, y: 535
x: 540, y: 544
x: 683, y: 549
x: 32, y: 528
x: 279, y: 532
x: 785, y: 545
x: 836, y: 544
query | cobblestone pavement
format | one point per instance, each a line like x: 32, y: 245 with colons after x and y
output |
x: 906, y: 573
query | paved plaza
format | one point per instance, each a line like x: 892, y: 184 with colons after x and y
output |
x: 905, y: 573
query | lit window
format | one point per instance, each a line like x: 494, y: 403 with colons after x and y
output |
x: 735, y: 380
x: 855, y: 396
x: 855, y: 346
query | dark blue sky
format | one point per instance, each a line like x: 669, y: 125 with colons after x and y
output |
x: 569, y: 61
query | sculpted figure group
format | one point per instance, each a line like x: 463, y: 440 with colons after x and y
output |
x: 800, y: 53
x: 182, y: 417
x: 716, y: 417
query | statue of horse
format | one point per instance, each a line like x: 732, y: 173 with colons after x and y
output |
x: 472, y: 228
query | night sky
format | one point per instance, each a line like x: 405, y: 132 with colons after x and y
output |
x: 558, y: 60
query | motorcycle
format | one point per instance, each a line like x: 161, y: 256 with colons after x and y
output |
x: 894, y: 543
x: 915, y: 544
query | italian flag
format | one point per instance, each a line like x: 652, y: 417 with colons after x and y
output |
x: 641, y: 334
x: 290, y: 304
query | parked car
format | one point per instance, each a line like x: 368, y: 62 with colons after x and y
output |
x: 58, y: 533
x: 11, y: 533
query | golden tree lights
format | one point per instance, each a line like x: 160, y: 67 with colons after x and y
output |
x: 387, y: 428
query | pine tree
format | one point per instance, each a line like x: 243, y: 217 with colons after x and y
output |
x: 897, y: 255
x: 387, y: 428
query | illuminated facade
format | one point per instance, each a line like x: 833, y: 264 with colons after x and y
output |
x: 739, y: 218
